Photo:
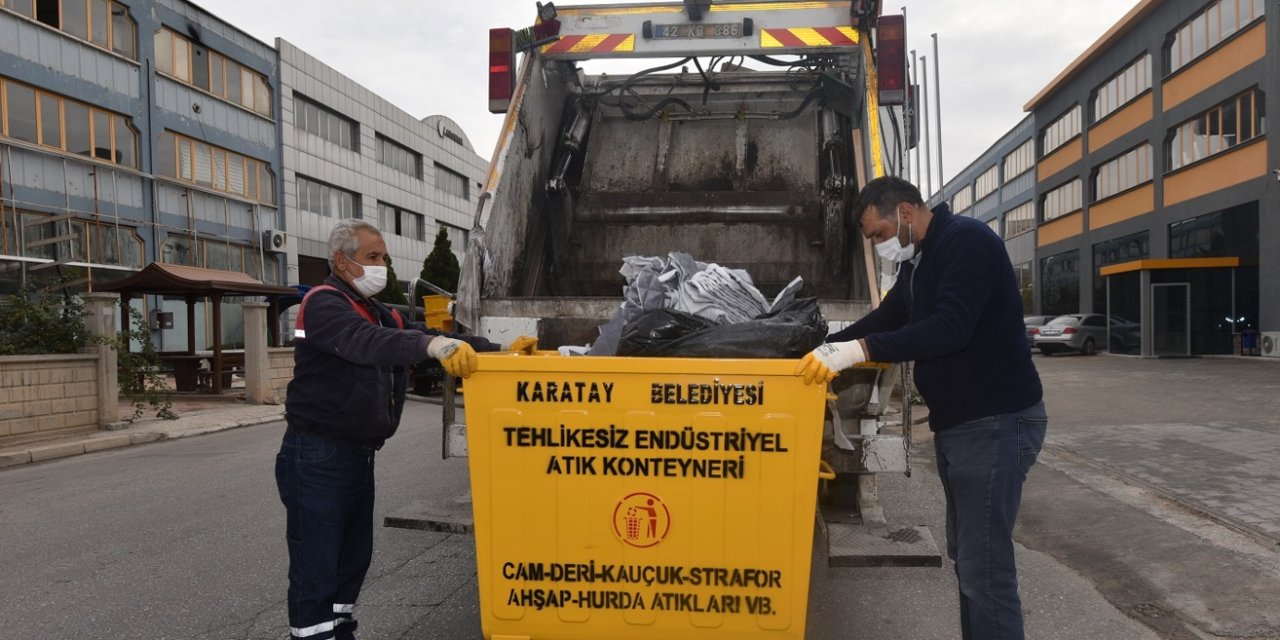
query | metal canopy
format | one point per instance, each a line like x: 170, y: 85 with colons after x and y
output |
x: 163, y: 279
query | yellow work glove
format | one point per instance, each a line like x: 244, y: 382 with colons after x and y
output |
x: 524, y: 344
x: 457, y: 357
x: 827, y: 361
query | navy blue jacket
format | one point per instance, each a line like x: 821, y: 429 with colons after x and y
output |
x: 350, y: 375
x: 957, y: 312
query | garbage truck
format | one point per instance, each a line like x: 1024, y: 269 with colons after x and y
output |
x: 739, y: 132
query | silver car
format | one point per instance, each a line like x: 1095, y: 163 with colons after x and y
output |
x: 1033, y: 327
x: 1082, y: 332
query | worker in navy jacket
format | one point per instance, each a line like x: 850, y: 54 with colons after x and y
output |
x: 351, y: 360
x: 956, y: 311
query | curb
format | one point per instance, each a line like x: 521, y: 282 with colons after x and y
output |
x: 118, y: 440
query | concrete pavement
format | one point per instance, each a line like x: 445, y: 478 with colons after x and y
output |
x: 196, y: 416
x: 1158, y: 484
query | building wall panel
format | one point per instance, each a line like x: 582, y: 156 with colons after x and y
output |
x: 1130, y: 204
x: 1068, y: 226
x: 1065, y: 156
x: 1245, y: 49
x: 1239, y: 165
x: 1132, y: 116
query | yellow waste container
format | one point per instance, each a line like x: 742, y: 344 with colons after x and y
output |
x: 437, y: 312
x: 620, y: 498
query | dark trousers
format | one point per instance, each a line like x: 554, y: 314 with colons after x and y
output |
x: 983, y: 464
x: 327, y: 491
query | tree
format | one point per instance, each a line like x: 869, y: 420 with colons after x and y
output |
x: 441, y: 266
x: 392, y: 293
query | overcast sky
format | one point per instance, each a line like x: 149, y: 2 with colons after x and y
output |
x: 429, y: 56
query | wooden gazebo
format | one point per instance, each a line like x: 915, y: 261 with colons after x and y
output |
x: 195, y: 283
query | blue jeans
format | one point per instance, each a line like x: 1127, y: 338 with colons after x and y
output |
x: 327, y: 491
x: 982, y: 465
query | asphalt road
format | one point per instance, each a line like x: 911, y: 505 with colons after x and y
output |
x: 184, y: 539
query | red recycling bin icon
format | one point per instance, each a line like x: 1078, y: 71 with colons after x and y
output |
x: 641, y: 520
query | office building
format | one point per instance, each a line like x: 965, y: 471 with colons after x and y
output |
x: 350, y: 153
x: 134, y: 131
x: 999, y: 189
x: 1157, y: 185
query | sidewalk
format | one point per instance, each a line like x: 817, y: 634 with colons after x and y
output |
x: 196, y: 416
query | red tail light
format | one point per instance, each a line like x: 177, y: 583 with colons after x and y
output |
x: 891, y: 59
x: 1068, y: 331
x: 502, y: 69
x: 1035, y: 331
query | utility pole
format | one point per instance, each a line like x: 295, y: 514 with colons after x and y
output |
x: 937, y: 92
x: 908, y: 120
x: 928, y: 162
x: 915, y: 79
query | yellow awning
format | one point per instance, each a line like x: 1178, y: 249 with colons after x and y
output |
x: 1171, y: 263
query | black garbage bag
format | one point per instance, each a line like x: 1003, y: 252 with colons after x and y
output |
x: 788, y: 332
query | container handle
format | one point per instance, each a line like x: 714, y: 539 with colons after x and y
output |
x: 825, y: 472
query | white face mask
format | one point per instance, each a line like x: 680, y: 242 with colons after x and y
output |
x: 893, y: 251
x: 373, y: 281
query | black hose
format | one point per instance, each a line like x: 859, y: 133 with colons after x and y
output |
x: 652, y: 111
x: 636, y: 76
x: 808, y: 99
x: 708, y: 85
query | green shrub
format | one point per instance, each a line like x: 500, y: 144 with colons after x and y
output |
x: 32, y: 323
x: 35, y: 324
x: 441, y: 267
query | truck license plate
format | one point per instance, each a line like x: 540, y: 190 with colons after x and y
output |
x: 697, y: 31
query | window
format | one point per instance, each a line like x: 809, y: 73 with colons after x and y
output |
x: 212, y: 72
x: 1231, y: 123
x: 1063, y: 200
x: 1020, y: 220
x: 102, y: 23
x: 1060, y: 132
x: 318, y: 120
x: 452, y: 182
x: 962, y: 200
x: 20, y: 112
x: 1060, y: 283
x: 1209, y: 27
x: 457, y: 236
x: 401, y: 222
x: 1020, y: 160
x: 1026, y: 284
x: 66, y: 125
x: 212, y: 254
x: 994, y: 225
x: 215, y: 168
x: 1127, y: 249
x: 1228, y: 233
x: 987, y: 183
x: 1122, y: 87
x: 94, y: 242
x: 401, y: 158
x: 1122, y: 173
x: 326, y: 200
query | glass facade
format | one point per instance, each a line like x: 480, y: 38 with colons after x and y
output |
x: 1230, y: 233
x: 1060, y: 283
x: 1026, y: 285
x: 1132, y: 247
x: 1124, y: 313
x: 1223, y: 301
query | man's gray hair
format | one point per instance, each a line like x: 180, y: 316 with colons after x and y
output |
x: 343, y: 238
